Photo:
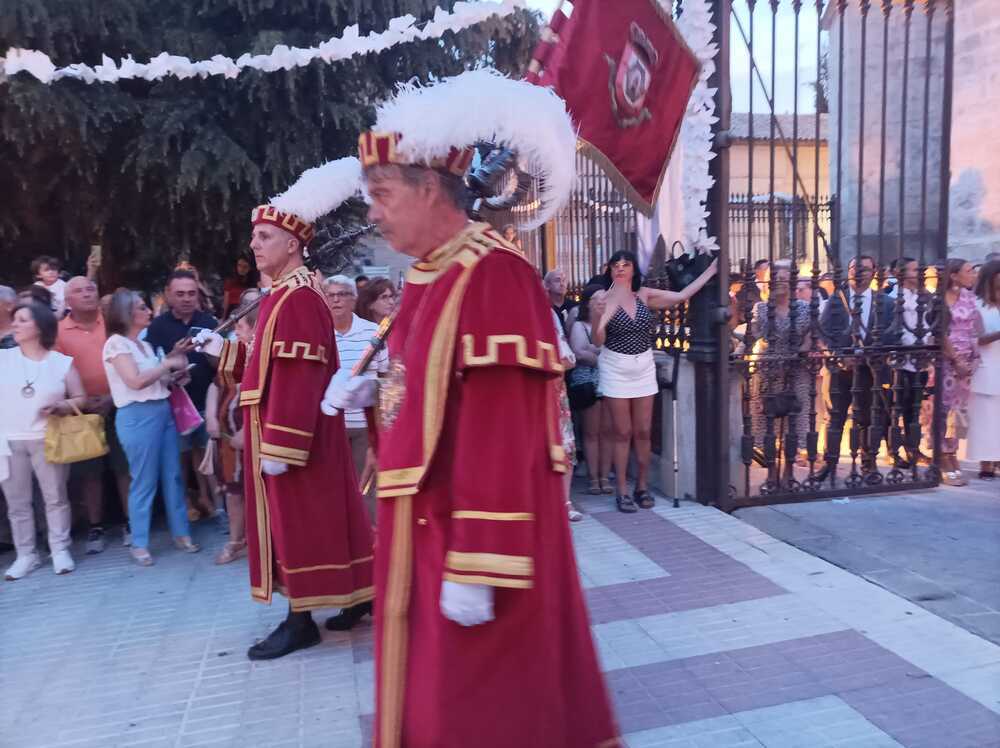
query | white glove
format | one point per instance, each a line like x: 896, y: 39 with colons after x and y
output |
x: 208, y: 342
x: 273, y: 467
x: 467, y: 604
x: 347, y: 392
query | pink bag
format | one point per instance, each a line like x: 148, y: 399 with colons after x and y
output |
x: 186, y: 416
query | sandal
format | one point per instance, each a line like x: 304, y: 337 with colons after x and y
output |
x: 596, y: 489
x: 606, y: 488
x: 626, y: 504
x: 954, y: 478
x: 141, y: 556
x: 645, y: 499
x: 231, y: 551
x: 185, y: 544
x: 574, y: 514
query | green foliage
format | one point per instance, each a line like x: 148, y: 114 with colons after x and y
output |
x: 160, y: 171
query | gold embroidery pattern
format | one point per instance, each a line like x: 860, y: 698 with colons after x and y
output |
x: 299, y: 349
x: 326, y: 567
x: 547, y: 358
x: 436, y: 381
x: 295, y: 279
x: 490, y: 563
x: 515, y: 584
x: 394, y: 632
x: 227, y: 362
x: 391, y: 392
x: 288, y: 430
x: 253, y: 397
x: 493, y: 516
x: 263, y: 592
x: 357, y: 597
x: 297, y: 457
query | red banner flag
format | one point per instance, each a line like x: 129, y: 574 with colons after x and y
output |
x: 626, y: 75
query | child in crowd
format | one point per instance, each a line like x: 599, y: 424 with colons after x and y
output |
x: 45, y: 269
x: 225, y: 424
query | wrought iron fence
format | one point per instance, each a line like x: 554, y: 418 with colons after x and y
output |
x: 816, y: 358
x: 794, y: 237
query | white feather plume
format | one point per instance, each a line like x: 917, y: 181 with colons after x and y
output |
x: 321, y: 190
x: 483, y: 105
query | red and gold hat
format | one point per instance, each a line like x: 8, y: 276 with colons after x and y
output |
x: 438, y: 125
x: 316, y: 192
x: 290, y: 222
x: 382, y: 149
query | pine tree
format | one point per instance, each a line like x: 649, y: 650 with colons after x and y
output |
x: 159, y: 171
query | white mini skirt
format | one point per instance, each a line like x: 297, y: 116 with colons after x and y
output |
x: 625, y: 376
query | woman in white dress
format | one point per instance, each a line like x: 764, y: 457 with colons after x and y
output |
x: 626, y: 370
x: 984, y: 404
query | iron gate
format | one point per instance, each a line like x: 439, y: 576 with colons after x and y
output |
x: 819, y: 378
x: 831, y: 365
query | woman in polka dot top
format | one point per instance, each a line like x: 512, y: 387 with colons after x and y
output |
x: 626, y: 369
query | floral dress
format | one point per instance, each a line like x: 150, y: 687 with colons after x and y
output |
x: 565, y: 414
x: 963, y: 322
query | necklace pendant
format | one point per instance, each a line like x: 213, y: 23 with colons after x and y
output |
x: 27, y: 391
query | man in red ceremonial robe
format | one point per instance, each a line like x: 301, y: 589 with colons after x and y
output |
x: 482, y: 636
x: 308, y: 533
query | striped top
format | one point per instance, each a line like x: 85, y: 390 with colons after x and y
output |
x: 350, y: 346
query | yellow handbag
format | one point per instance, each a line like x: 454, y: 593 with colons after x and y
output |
x: 75, y: 438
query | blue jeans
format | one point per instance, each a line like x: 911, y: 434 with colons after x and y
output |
x: 149, y: 437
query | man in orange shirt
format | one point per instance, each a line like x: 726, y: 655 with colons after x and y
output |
x: 82, y: 336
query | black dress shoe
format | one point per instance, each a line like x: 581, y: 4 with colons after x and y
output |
x: 291, y: 635
x: 823, y: 473
x: 346, y: 619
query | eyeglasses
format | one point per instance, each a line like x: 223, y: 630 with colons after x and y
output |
x: 386, y: 296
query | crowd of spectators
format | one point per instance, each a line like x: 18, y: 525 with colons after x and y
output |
x: 65, y: 350
x: 897, y: 307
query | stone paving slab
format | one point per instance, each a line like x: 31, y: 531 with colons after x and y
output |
x: 711, y: 632
x: 939, y: 549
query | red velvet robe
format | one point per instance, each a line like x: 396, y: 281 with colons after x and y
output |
x: 308, y: 532
x: 470, y: 490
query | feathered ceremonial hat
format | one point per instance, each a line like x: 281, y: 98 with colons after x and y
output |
x: 318, y: 191
x: 440, y: 126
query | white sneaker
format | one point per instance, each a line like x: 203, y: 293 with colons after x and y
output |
x: 22, y: 566
x: 62, y: 562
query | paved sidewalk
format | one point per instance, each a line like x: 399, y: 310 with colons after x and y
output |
x: 939, y: 549
x: 712, y: 634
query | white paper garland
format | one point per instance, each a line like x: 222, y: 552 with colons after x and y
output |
x: 400, y: 31
x: 695, y: 25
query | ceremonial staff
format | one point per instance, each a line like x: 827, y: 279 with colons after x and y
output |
x: 315, y: 260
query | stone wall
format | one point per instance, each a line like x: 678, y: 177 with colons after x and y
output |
x: 974, y: 200
x: 856, y: 144
x: 974, y: 225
